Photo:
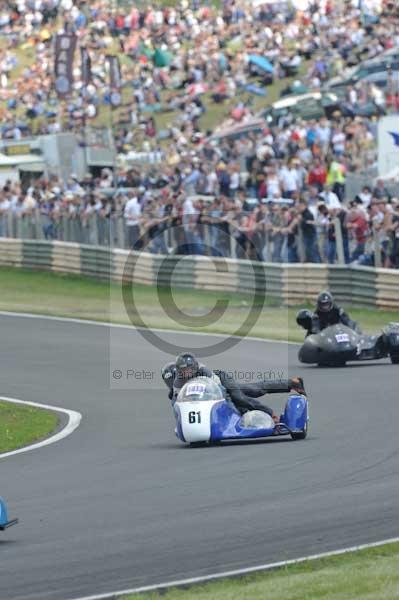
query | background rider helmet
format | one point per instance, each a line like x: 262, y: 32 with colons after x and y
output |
x: 325, y: 302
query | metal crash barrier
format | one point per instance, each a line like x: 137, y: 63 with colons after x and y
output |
x: 212, y: 237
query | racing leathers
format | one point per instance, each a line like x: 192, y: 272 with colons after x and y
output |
x: 335, y: 315
x: 326, y: 313
x: 243, y: 396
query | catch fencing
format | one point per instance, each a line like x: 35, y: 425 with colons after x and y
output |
x: 286, y: 284
x: 223, y: 238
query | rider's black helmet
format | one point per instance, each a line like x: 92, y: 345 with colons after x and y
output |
x: 304, y: 318
x: 187, y: 366
x: 168, y: 371
x: 325, y: 302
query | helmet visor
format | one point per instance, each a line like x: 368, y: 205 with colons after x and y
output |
x: 325, y: 305
x: 186, y: 372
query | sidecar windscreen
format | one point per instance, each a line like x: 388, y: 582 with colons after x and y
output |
x: 200, y: 389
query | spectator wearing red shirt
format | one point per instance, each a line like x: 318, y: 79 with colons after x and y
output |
x: 357, y: 224
x: 318, y: 175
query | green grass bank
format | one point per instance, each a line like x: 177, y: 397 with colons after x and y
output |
x: 21, y: 425
x: 81, y: 297
x: 371, y: 574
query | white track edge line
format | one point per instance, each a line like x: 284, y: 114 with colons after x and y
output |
x: 24, y: 315
x: 74, y: 419
x: 237, y: 572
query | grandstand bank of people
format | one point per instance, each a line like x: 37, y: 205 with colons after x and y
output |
x: 234, y: 174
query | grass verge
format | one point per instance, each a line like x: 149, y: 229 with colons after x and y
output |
x: 370, y: 574
x: 21, y: 425
x: 84, y: 298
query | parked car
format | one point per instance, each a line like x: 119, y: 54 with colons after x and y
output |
x: 373, y: 70
x: 307, y: 106
x: 374, y: 106
x: 234, y: 132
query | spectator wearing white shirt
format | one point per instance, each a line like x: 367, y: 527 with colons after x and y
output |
x: 234, y: 181
x: 323, y: 135
x: 366, y: 196
x: 190, y: 218
x: 4, y: 207
x: 132, y: 215
x: 330, y: 198
x: 338, y: 140
x: 289, y: 180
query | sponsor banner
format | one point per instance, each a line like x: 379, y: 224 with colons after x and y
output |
x: 388, y: 146
x: 65, y: 45
x: 115, y: 79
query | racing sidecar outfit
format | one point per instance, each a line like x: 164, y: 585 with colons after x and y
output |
x: 243, y: 396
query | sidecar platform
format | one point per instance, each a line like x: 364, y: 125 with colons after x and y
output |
x: 4, y: 521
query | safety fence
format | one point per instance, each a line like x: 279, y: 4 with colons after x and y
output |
x: 227, y: 238
x: 288, y: 284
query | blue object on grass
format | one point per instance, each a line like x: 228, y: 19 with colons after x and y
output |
x: 261, y: 62
x: 255, y: 89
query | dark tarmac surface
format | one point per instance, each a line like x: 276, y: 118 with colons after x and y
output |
x: 121, y: 503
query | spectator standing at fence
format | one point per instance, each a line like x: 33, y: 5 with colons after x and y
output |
x: 358, y: 226
x: 323, y: 220
x: 214, y: 215
x: 190, y: 218
x: 292, y: 235
x: 132, y: 215
x: 387, y: 210
x: 377, y: 232
x: 47, y: 218
x: 342, y: 215
x: 278, y: 224
x: 380, y: 190
x: 366, y: 196
x: 330, y: 198
x: 259, y: 237
x: 243, y: 235
x: 307, y: 226
x: 393, y: 233
x: 331, y: 237
x: 156, y: 229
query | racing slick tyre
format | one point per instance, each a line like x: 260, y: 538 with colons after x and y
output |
x: 338, y: 363
x: 395, y: 359
x: 300, y: 435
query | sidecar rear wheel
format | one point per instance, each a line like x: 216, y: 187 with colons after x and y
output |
x: 300, y: 435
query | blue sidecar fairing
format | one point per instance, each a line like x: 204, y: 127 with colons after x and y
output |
x: 4, y: 521
x: 227, y: 423
x: 204, y: 415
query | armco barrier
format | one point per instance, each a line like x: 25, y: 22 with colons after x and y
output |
x: 285, y: 283
x: 387, y: 289
x: 11, y: 252
x: 303, y: 282
x: 66, y: 258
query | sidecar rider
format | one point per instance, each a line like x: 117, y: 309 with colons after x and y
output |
x: 243, y: 396
x: 327, y: 313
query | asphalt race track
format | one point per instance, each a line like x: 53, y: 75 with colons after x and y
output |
x: 121, y: 503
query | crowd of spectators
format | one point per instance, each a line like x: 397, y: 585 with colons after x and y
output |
x: 171, y: 56
x: 278, y: 194
x: 305, y: 226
